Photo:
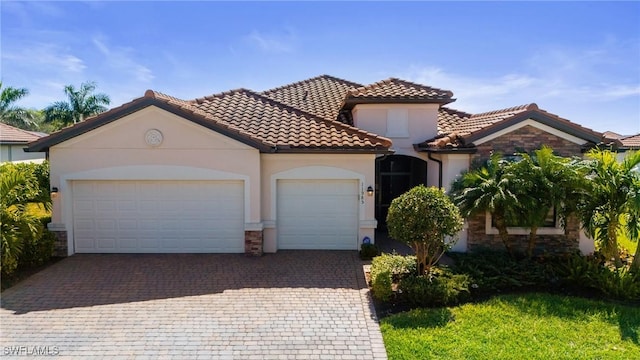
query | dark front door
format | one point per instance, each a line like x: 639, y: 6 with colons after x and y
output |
x: 395, y: 175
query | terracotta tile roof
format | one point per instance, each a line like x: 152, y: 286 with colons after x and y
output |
x: 631, y: 142
x: 457, y: 129
x: 13, y: 135
x: 396, y: 90
x: 482, y: 120
x: 612, y: 135
x: 321, y: 96
x: 449, y: 118
x: 261, y: 118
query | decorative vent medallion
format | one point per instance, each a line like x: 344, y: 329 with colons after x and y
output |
x: 153, y: 137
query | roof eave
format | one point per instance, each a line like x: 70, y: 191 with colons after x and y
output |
x: 289, y: 150
x: 445, y: 150
x: 350, y: 102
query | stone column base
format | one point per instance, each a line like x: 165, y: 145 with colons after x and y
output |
x: 253, y: 243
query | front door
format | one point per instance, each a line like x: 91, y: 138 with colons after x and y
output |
x: 395, y: 175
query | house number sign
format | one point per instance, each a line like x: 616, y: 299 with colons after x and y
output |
x: 153, y: 137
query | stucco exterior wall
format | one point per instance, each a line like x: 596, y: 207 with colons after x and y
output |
x: 316, y: 166
x: 16, y: 153
x: 118, y: 151
x: 423, y: 123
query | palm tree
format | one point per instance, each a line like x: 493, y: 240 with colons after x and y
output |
x: 544, y: 182
x: 14, y: 115
x: 81, y: 104
x: 613, y: 201
x: 489, y: 188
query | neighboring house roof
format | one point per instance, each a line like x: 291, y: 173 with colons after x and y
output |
x: 630, y: 142
x: 394, y: 91
x: 14, y: 135
x: 457, y: 130
x: 321, y: 96
x: 246, y: 116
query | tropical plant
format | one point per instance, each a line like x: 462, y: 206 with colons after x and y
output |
x: 613, y: 195
x: 488, y: 188
x: 81, y: 104
x: 422, y: 218
x: 14, y: 115
x: 19, y: 187
x: 543, y: 182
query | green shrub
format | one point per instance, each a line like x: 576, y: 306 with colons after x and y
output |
x: 38, y: 250
x: 592, y: 272
x: 22, y: 187
x: 387, y: 269
x: 438, y: 288
x: 368, y: 251
x: 382, y: 286
x: 422, y: 218
x: 497, y: 271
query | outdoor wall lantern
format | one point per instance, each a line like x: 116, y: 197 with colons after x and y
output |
x: 54, y: 192
x: 370, y: 191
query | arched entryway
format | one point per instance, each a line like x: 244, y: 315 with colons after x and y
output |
x: 395, y: 174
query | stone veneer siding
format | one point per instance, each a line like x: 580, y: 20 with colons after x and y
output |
x: 60, y: 245
x: 253, y: 243
x: 527, y: 138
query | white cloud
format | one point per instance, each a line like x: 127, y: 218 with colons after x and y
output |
x: 122, y: 59
x: 273, y: 43
x: 45, y: 55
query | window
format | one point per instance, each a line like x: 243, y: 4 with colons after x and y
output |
x: 551, y: 226
x: 397, y: 123
x: 549, y: 221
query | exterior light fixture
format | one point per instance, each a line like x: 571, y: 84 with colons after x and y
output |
x: 369, y: 191
x: 54, y: 192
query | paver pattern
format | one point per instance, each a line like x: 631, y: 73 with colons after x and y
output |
x: 289, y: 305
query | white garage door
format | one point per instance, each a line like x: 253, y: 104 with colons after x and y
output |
x: 317, y: 214
x: 158, y: 216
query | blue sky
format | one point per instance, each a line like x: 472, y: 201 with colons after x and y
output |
x: 580, y: 60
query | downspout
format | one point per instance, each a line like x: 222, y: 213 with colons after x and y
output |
x: 439, y: 168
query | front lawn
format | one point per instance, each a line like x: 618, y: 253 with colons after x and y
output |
x: 530, y: 326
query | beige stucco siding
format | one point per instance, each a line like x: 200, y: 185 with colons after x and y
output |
x: 316, y: 166
x: 118, y: 151
x: 16, y: 153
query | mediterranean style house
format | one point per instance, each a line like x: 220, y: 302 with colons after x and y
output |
x: 309, y: 165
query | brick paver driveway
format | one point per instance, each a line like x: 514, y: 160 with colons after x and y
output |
x: 294, y: 304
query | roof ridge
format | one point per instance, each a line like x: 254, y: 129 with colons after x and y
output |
x: 150, y: 93
x: 518, y: 108
x: 297, y: 83
x: 202, y: 99
x: 391, y: 80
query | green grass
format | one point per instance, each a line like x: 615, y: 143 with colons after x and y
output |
x: 531, y: 326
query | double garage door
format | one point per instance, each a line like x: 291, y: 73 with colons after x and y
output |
x: 158, y: 216
x: 208, y: 216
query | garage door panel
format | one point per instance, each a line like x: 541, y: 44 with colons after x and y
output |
x: 158, y: 216
x: 317, y: 214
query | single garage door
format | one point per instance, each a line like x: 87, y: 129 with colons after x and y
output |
x: 158, y: 216
x: 317, y: 214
